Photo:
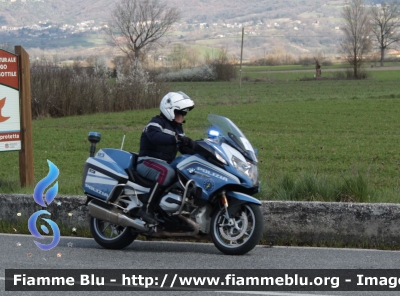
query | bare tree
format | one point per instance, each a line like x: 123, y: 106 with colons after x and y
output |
x: 356, y: 43
x: 7, y: 47
x: 385, y: 21
x: 317, y: 69
x: 193, y: 57
x: 178, y: 57
x: 137, y: 24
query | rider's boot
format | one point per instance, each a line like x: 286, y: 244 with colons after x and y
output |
x: 147, y: 216
x: 147, y: 211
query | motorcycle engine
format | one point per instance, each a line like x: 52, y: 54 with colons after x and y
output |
x: 171, y: 202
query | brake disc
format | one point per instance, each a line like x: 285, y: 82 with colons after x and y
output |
x: 225, y: 233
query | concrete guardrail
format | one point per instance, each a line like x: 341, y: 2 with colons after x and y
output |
x: 302, y: 223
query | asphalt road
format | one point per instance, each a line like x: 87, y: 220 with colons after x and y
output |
x: 86, y: 254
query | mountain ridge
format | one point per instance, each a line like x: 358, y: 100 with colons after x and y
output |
x: 24, y: 13
x: 294, y: 26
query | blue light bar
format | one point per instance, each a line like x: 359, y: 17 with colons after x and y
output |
x: 94, y: 134
x: 213, y: 133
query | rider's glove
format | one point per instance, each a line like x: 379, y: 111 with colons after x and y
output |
x: 186, y: 141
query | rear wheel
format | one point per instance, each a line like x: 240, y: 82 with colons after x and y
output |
x: 239, y: 234
x: 111, y: 236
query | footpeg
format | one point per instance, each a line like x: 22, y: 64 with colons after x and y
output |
x: 147, y: 217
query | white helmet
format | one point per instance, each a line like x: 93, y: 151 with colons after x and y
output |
x: 175, y: 101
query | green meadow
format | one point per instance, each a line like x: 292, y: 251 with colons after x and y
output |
x: 333, y: 140
x: 298, y: 72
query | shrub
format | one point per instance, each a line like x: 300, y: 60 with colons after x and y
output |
x: 313, y: 187
x: 223, y: 65
x: 66, y: 91
x: 327, y: 63
x: 308, y: 187
x: 355, y: 189
x: 202, y: 73
x: 349, y: 74
x: 306, y: 61
x: 224, y: 71
x: 136, y: 88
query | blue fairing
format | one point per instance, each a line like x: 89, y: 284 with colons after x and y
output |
x: 243, y: 197
x: 207, y: 176
x: 245, y: 180
x: 122, y: 158
x: 177, y: 160
x: 112, y: 167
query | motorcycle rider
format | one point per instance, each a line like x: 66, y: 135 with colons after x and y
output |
x: 160, y: 141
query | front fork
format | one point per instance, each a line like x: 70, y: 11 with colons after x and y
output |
x: 224, y: 202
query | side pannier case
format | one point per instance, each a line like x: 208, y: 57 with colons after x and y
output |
x: 105, y: 170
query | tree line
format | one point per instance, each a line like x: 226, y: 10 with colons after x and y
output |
x: 365, y: 28
x: 137, y: 26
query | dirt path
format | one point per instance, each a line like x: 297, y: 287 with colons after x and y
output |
x: 332, y: 70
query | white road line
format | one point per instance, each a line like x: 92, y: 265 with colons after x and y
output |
x: 250, y: 292
x: 271, y: 293
x: 211, y: 244
x: 30, y: 235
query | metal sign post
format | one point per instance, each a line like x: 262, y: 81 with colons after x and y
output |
x: 241, y: 58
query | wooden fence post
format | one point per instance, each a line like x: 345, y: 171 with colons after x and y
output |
x: 26, y: 169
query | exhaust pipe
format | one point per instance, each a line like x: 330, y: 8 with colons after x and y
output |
x: 111, y: 214
x: 192, y: 234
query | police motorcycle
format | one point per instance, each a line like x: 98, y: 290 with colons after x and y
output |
x: 211, y: 195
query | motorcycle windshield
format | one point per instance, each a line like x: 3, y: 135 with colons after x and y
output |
x: 232, y: 134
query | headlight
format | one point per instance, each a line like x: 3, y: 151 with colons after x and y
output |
x: 220, y: 158
x: 247, y: 168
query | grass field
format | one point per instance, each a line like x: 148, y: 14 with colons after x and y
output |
x: 297, y: 72
x: 289, y: 68
x: 327, y: 134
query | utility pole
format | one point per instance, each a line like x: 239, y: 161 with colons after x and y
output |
x: 264, y: 56
x: 241, y: 57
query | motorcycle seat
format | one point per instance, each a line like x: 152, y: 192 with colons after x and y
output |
x: 135, y: 157
x: 138, y: 179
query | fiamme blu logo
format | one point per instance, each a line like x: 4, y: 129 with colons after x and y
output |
x: 44, y: 201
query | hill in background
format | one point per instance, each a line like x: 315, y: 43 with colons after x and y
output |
x: 28, y: 12
x: 298, y: 27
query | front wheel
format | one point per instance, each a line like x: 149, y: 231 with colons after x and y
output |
x: 111, y: 236
x: 239, y: 234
